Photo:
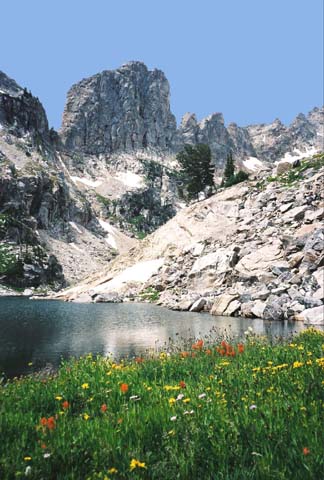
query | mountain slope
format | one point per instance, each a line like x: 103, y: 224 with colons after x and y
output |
x: 255, y: 249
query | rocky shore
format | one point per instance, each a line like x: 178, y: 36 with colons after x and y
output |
x: 252, y: 250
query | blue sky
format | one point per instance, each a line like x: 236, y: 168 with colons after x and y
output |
x: 253, y: 60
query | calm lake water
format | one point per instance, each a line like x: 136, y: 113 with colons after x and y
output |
x: 43, y: 332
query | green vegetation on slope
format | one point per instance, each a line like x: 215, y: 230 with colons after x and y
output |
x: 227, y: 412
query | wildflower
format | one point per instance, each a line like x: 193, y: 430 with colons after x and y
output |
x: 27, y: 459
x: 252, y: 407
x: 172, y: 401
x: 86, y: 416
x: 124, y: 388
x: 182, y: 384
x: 171, y: 387
x: 112, y: 470
x: 85, y: 386
x: 43, y: 421
x: 46, y: 455
x: 43, y: 446
x: 180, y: 397
x: 188, y: 413
x: 198, y: 345
x: 58, y: 397
x: 136, y: 464
x: 65, y: 404
x: 256, y: 454
x: 30, y: 364
x: 184, y: 354
x: 306, y: 451
x: 103, y: 408
x: 173, y: 419
x: 139, y: 360
x: 202, y: 395
x: 297, y: 364
x: 186, y: 400
x: 51, y: 423
x: 208, y: 351
x: 240, y: 347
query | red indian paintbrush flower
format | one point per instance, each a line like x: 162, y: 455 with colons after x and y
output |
x: 306, y: 451
x: 103, y: 408
x: 124, y: 388
x: 65, y: 404
x: 182, y: 384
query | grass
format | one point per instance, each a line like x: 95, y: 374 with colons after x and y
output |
x: 204, y: 413
x: 295, y: 175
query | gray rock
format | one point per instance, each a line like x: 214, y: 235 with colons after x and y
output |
x: 221, y: 303
x: 198, y: 305
x: 283, y: 167
x: 312, y: 316
x: 122, y: 110
x: 111, y: 297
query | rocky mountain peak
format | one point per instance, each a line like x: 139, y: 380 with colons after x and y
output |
x: 127, y: 109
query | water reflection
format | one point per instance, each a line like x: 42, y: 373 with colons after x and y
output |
x: 43, y: 332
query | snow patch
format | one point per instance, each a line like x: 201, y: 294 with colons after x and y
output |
x: 140, y: 272
x: 252, y: 163
x: 112, y: 231
x: 87, y: 181
x: 298, y: 154
x: 74, y: 225
x: 130, y: 179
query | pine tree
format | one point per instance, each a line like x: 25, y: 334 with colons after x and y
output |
x: 196, y: 169
x: 229, y: 168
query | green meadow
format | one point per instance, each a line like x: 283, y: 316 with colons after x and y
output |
x: 227, y: 411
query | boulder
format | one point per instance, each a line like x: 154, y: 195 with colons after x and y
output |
x: 253, y: 309
x: 221, y: 303
x: 283, y: 167
x: 295, y: 214
x: 260, y: 262
x: 312, y: 316
x: 198, y: 305
x: 110, y: 297
x: 319, y: 277
x: 232, y: 308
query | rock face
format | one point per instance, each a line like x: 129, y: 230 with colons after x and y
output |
x: 128, y: 109
x: 49, y: 233
x: 20, y: 112
x: 122, y: 110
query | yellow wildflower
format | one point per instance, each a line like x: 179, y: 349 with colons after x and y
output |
x: 171, y: 387
x: 136, y: 464
x: 297, y: 364
x: 27, y: 459
x: 112, y: 470
x: 86, y: 416
x: 85, y: 386
x: 186, y: 400
x: 172, y: 401
x: 58, y: 397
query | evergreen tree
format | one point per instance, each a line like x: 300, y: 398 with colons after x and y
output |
x: 230, y: 177
x: 196, y: 170
x: 229, y: 168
